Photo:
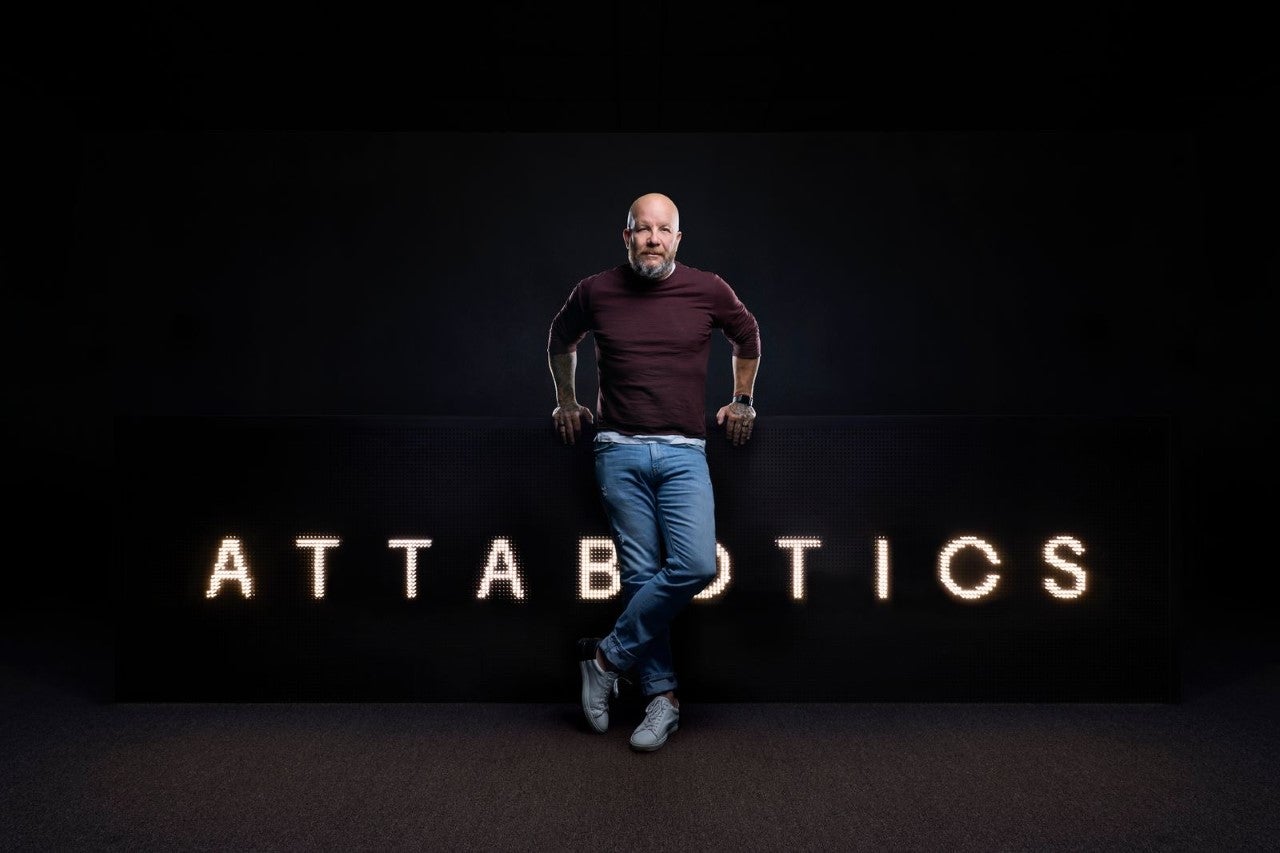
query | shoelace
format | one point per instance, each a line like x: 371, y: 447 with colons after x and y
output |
x: 614, y: 680
x: 651, y: 716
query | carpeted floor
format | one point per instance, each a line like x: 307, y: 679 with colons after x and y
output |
x: 83, y: 773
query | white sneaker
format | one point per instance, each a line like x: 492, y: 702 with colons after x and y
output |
x: 597, y: 686
x: 661, y: 718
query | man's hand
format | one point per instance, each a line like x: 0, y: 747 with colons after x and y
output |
x: 568, y: 421
x: 740, y: 418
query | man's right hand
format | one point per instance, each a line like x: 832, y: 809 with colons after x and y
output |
x: 568, y: 420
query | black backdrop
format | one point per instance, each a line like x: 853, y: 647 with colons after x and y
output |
x: 948, y: 215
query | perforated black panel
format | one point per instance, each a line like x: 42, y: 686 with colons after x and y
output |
x: 502, y: 498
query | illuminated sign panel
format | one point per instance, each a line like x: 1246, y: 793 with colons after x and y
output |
x: 875, y: 559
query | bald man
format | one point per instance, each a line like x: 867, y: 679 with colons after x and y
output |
x: 652, y: 320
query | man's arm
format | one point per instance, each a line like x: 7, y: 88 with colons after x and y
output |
x: 744, y: 375
x: 568, y: 413
x: 740, y: 416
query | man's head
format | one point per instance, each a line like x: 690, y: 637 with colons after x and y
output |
x: 652, y: 235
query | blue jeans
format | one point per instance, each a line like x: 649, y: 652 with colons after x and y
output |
x: 660, y: 505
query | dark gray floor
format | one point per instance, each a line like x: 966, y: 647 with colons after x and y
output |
x: 82, y: 773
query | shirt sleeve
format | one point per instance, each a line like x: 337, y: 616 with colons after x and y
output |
x: 570, y: 324
x: 739, y: 324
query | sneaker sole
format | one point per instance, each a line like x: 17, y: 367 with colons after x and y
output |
x: 586, y: 695
x: 668, y: 734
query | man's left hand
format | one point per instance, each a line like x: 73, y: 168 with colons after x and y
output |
x: 737, y: 419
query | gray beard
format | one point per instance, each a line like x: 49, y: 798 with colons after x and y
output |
x: 655, y: 273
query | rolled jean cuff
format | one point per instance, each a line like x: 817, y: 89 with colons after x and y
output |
x: 660, y: 684
x: 615, y: 653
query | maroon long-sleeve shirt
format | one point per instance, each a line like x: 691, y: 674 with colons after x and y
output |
x: 653, y: 341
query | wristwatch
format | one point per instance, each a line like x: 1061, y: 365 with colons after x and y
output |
x: 744, y: 399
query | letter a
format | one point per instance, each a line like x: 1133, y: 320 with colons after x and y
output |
x: 230, y: 552
x: 500, y: 553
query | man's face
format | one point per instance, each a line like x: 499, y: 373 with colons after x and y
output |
x: 652, y: 240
